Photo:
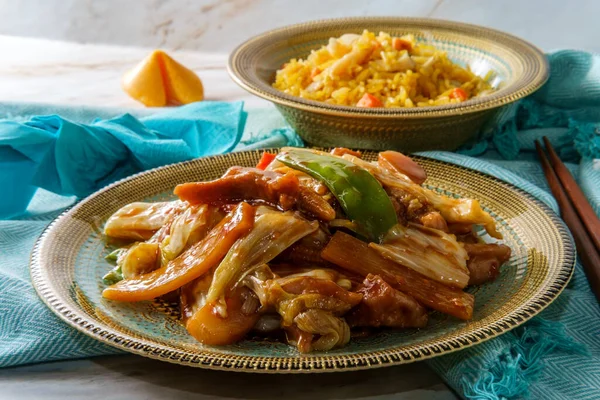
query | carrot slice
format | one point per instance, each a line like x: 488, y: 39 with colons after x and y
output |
x: 208, y: 327
x: 355, y: 255
x: 314, y: 72
x: 369, y: 101
x: 265, y: 160
x: 459, y: 94
x: 400, y: 44
x: 191, y: 264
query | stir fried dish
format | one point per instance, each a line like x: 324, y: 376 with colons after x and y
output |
x: 309, y: 247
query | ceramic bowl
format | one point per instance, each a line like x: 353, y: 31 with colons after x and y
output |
x: 519, y: 69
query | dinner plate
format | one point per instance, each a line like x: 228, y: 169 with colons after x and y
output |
x: 67, y: 266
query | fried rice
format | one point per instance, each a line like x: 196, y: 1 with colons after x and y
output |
x: 380, y: 71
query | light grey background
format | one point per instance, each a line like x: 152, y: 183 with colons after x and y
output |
x: 218, y: 25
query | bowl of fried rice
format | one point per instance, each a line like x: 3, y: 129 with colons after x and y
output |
x: 378, y: 83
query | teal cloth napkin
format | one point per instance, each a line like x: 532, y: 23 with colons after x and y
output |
x: 71, y: 158
x: 554, y: 356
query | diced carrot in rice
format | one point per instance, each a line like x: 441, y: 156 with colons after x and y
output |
x: 369, y: 101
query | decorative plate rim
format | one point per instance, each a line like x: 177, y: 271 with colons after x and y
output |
x: 494, y: 100
x: 205, y: 358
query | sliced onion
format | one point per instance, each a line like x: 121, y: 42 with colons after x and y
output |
x: 427, y: 251
x: 333, y: 331
x: 139, y: 221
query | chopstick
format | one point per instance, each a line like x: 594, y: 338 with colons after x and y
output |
x: 582, y: 206
x: 589, y: 254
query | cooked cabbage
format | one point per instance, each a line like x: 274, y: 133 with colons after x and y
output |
x: 333, y: 331
x: 188, y: 228
x: 272, y: 233
x: 141, y: 258
x: 430, y: 252
x: 139, y: 221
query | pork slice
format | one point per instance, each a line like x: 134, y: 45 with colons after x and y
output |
x: 485, y: 260
x: 384, y: 306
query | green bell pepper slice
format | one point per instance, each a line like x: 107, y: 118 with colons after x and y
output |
x: 361, y: 195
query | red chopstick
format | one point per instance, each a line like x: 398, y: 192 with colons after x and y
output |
x: 582, y: 206
x: 588, y: 253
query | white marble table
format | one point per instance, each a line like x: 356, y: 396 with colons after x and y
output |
x: 217, y: 25
x: 38, y: 70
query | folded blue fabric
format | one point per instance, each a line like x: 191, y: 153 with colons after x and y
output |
x: 554, y: 356
x: 71, y: 158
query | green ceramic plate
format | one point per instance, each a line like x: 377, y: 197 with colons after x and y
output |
x: 68, y: 263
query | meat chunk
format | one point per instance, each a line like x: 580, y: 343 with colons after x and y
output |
x: 382, y: 305
x: 307, y: 251
x: 354, y: 255
x: 243, y: 184
x: 412, y: 209
x: 460, y: 229
x: 485, y: 260
x: 313, y: 196
x: 312, y: 203
x: 301, y: 254
x: 433, y: 219
x: 283, y: 190
x: 464, y: 233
